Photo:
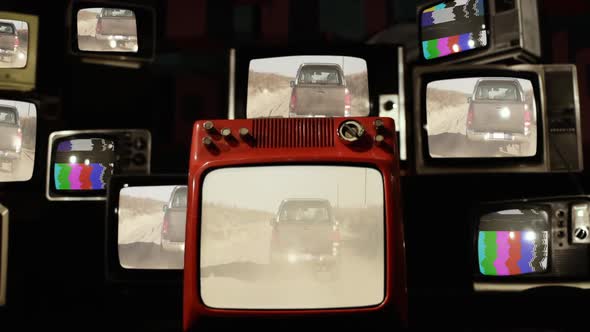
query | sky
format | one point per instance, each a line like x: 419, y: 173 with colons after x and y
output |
x: 24, y: 109
x: 287, y: 66
x: 160, y: 193
x: 263, y: 188
x: 466, y: 85
x: 18, y: 24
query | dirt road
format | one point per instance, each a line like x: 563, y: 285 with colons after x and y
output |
x: 447, y: 137
x: 22, y: 169
x: 251, y: 285
x: 266, y: 103
x: 139, y: 244
x: 87, y: 38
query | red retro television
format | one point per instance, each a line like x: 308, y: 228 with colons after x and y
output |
x: 295, y: 219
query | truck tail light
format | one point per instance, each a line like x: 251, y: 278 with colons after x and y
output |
x: 527, y: 118
x: 18, y: 140
x: 347, y: 102
x: 275, y: 238
x: 165, y: 225
x: 336, y: 236
x: 99, y: 27
x: 470, y: 116
x: 16, y: 42
x: 293, y: 102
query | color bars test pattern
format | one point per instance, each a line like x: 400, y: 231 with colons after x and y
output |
x: 512, y: 252
x: 82, y: 174
x: 453, y: 27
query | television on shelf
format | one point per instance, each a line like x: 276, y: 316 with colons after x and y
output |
x: 294, y: 217
x: 80, y: 163
x: 479, y: 31
x: 497, y: 119
x: 531, y: 243
x: 19, y: 38
x: 319, y: 81
x: 18, y: 137
x: 145, y: 227
x: 3, y: 253
x: 112, y: 33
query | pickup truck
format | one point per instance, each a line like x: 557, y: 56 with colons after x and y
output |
x: 9, y: 42
x: 305, y: 232
x: 11, y: 138
x: 319, y: 90
x: 498, y: 111
x: 117, y: 28
x: 173, y: 225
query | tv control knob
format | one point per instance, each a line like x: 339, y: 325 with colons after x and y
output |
x: 140, y: 143
x: 581, y: 233
x: 351, y: 131
x: 139, y: 159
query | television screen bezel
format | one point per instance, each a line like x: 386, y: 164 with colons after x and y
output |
x: 23, y: 79
x: 455, y: 56
x: 114, y: 271
x: 80, y: 195
x: 4, y: 214
x: 488, y: 208
x: 373, y: 54
x: 146, y: 22
x: 235, y: 164
x: 395, y: 305
x: 26, y: 97
x: 427, y: 164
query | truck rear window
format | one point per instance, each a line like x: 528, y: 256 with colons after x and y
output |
x: 179, y: 200
x: 7, y: 116
x: 299, y: 212
x: 319, y: 75
x: 112, y: 12
x: 498, y: 91
x: 6, y: 28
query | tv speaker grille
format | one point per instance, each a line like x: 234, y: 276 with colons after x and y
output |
x: 294, y: 132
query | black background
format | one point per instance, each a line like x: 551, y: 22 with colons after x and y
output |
x: 56, y: 257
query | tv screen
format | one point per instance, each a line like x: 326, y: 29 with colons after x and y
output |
x: 84, y: 164
x: 513, y: 242
x: 151, y: 227
x: 452, y: 27
x: 481, y: 117
x: 18, y: 128
x: 14, y: 39
x: 292, y: 237
x: 308, y: 86
x: 107, y: 30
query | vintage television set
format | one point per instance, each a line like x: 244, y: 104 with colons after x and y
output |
x: 80, y: 163
x: 3, y: 253
x: 117, y: 33
x: 531, y: 243
x: 19, y: 38
x: 18, y: 136
x: 497, y: 119
x: 319, y: 80
x: 479, y: 31
x: 145, y: 227
x: 294, y: 218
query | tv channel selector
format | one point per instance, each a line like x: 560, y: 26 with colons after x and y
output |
x: 351, y: 131
x: 580, y: 223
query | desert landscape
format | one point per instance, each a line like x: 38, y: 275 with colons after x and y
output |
x: 269, y: 94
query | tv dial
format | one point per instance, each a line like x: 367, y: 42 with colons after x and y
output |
x: 581, y: 233
x: 351, y: 130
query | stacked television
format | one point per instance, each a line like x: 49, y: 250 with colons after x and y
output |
x: 19, y: 33
x: 489, y: 107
